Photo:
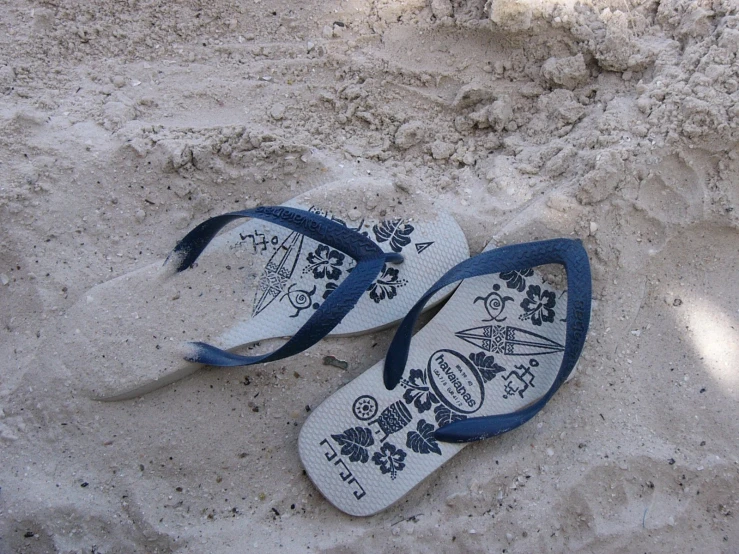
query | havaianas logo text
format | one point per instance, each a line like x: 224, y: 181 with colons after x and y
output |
x: 455, y: 381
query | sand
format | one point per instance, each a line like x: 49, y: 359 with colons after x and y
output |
x: 124, y: 124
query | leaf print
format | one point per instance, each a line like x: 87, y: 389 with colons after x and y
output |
x: 444, y: 416
x: 325, y: 262
x: 397, y: 232
x: 330, y: 287
x: 538, y: 305
x: 418, y: 391
x: 422, y: 440
x: 387, y: 285
x: 390, y: 459
x: 354, y: 443
x: 487, y: 366
x: 516, y: 279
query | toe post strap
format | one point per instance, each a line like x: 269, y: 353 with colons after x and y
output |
x: 369, y: 256
x: 567, y: 252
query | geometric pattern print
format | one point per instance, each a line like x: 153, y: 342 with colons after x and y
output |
x: 278, y: 271
x: 455, y: 382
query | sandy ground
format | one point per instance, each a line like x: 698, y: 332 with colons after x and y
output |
x: 123, y: 124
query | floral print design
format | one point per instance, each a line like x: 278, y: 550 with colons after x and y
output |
x: 325, y: 263
x: 354, y: 443
x: 516, y: 279
x: 538, y: 305
x: 418, y: 392
x: 487, y: 366
x: 390, y: 458
x: 395, y: 231
x: 386, y: 286
x: 445, y: 416
x: 422, y: 440
x: 330, y: 287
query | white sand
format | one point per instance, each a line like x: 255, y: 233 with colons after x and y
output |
x: 124, y: 124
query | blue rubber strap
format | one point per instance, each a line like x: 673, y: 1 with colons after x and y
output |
x: 369, y: 256
x: 569, y: 253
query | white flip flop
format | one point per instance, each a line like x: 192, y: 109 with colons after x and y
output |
x: 488, y: 362
x: 291, y: 271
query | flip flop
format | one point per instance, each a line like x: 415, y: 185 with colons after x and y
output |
x: 488, y: 362
x: 342, y: 259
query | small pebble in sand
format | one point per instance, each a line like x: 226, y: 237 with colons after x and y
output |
x: 409, y: 134
x: 4, y: 279
x: 442, y: 150
x: 567, y: 72
x: 335, y: 362
x: 277, y: 112
x: 441, y: 8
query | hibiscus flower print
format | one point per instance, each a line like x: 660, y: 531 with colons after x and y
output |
x: 390, y: 459
x: 325, y: 263
x: 387, y: 285
x: 538, y: 305
x: 417, y: 391
x: 516, y: 279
